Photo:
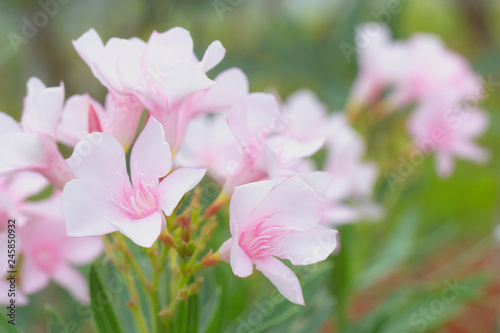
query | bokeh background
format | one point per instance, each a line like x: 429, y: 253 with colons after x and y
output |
x: 435, y: 232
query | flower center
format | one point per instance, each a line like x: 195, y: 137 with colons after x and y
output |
x: 46, y: 257
x: 260, y: 240
x: 137, y: 203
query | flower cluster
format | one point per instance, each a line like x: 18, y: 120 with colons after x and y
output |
x: 131, y: 178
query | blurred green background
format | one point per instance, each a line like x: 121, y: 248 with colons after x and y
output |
x: 435, y: 230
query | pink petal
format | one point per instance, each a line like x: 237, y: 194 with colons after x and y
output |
x: 42, y: 107
x: 289, y: 149
x: 307, y: 247
x: 172, y: 189
x: 225, y: 250
x: 143, y: 232
x: 229, y: 85
x: 106, y: 65
x: 471, y: 151
x: 75, y: 119
x: 100, y: 160
x: 21, y: 151
x: 213, y: 55
x: 8, y: 124
x: 86, y: 211
x: 73, y: 281
x: 33, y: 279
x: 444, y: 164
x: 126, y: 112
x: 292, y: 203
x: 282, y: 277
x: 474, y: 123
x: 81, y: 251
x: 319, y: 181
x: 26, y: 184
x: 245, y: 199
x: 89, y: 46
x: 168, y: 48
x: 241, y: 264
x: 253, y: 117
x: 183, y: 80
x: 151, y: 157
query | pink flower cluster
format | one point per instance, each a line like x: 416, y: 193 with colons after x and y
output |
x: 257, y: 148
x: 422, y: 73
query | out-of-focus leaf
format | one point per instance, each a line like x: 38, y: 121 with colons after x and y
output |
x: 209, y: 311
x: 104, y: 315
x: 399, y: 247
x: 420, y: 310
x: 55, y: 321
x: 276, y: 314
x: 341, y: 276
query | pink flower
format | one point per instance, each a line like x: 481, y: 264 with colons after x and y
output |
x: 251, y: 145
x: 163, y: 74
x: 102, y: 199
x: 48, y: 254
x: 6, y: 282
x: 347, y: 199
x: 433, y: 71
x: 14, y: 190
x: 306, y: 117
x: 448, y: 130
x: 269, y: 222
x: 413, y: 70
x: 379, y: 61
x: 31, y: 145
x: 83, y: 115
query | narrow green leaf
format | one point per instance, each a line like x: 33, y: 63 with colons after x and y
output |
x: 210, y: 310
x: 55, y: 322
x: 100, y: 304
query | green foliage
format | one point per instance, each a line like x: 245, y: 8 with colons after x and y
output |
x: 100, y: 304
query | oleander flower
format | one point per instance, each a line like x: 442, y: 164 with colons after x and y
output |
x: 449, y: 131
x: 14, y: 190
x: 348, y: 199
x: 83, y: 115
x: 163, y: 75
x: 414, y: 70
x: 104, y: 199
x: 31, y: 144
x: 270, y: 221
x: 49, y: 254
x: 250, y: 144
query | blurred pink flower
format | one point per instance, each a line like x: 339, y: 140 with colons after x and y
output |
x: 48, y: 254
x: 102, y: 199
x: 249, y: 145
x: 31, y: 145
x: 9, y: 286
x: 269, y: 222
x: 413, y: 70
x: 14, y: 190
x: 163, y: 74
x: 379, y: 61
x: 448, y: 130
x: 353, y: 179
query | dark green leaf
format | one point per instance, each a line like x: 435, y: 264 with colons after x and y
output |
x: 100, y: 304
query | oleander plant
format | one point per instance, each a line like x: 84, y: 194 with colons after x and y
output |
x: 184, y: 201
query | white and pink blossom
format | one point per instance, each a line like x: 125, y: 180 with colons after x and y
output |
x: 103, y: 199
x: 31, y: 144
x: 268, y: 222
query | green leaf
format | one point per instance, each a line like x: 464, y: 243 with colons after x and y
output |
x: 55, y: 322
x: 100, y: 304
x: 210, y: 310
x: 399, y: 247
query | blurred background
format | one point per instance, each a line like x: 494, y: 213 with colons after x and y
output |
x: 436, y: 233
